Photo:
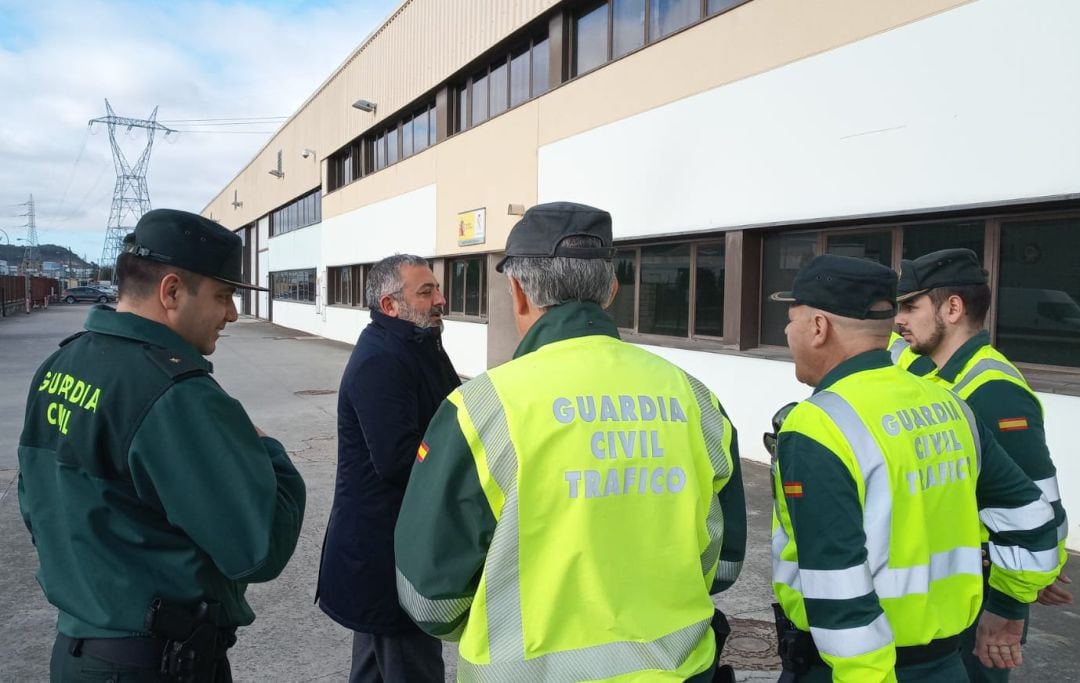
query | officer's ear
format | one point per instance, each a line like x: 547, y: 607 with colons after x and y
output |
x: 821, y: 329
x: 518, y: 298
x: 169, y: 291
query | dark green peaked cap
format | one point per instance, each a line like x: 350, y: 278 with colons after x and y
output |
x: 542, y: 229
x: 192, y: 242
x: 843, y: 285
x: 945, y: 268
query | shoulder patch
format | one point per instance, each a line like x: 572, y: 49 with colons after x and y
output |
x: 421, y: 452
x: 1012, y: 424
x: 72, y: 338
x: 173, y: 364
x: 793, y: 489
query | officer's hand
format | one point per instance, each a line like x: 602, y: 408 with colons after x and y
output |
x: 1056, y: 595
x: 997, y: 641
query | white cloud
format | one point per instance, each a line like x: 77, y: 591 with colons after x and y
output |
x: 59, y: 61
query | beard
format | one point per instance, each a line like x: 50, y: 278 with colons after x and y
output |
x: 419, y: 318
x: 927, y: 346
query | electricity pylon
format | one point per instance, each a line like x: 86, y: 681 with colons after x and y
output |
x: 131, y: 199
x: 30, y: 253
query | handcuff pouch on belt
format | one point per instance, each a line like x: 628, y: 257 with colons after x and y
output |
x: 193, y: 636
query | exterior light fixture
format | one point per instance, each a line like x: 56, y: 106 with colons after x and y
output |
x: 364, y: 105
x: 307, y: 152
x: 515, y: 210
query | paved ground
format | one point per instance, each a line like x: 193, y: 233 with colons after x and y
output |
x: 288, y: 381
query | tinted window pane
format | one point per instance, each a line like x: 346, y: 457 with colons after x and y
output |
x: 1038, y: 318
x: 590, y: 39
x: 391, y: 146
x: 923, y: 239
x: 782, y: 257
x: 664, y: 306
x: 479, y: 100
x: 457, y: 286
x: 668, y: 16
x: 716, y: 6
x: 872, y: 246
x: 380, y: 152
x: 407, y: 138
x: 540, y: 75
x: 519, y: 78
x: 629, y: 26
x: 461, y: 122
x: 420, y: 132
x: 498, y: 88
x: 622, y: 308
x: 474, y: 282
x: 709, y: 303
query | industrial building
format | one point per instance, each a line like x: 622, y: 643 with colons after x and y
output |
x: 731, y: 140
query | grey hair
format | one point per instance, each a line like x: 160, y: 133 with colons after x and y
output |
x: 385, y: 277
x: 552, y: 281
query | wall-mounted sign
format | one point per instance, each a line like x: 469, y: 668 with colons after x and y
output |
x: 471, y: 227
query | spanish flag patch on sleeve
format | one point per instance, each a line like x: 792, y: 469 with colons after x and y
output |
x: 1012, y: 424
x: 421, y: 452
x: 793, y: 489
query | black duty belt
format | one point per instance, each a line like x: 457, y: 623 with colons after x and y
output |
x: 136, y: 652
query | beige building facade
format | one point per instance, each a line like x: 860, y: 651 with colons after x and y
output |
x: 731, y: 140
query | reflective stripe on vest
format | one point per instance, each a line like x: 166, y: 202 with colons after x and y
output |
x: 712, y: 427
x: 439, y: 611
x: 896, y: 349
x: 503, y: 586
x: 984, y: 365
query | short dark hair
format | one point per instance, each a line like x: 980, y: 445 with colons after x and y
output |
x: 138, y: 278
x: 976, y: 300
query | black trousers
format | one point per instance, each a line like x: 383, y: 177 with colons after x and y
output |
x: 411, y: 657
x: 67, y: 666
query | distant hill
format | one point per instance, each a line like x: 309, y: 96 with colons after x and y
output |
x: 13, y: 254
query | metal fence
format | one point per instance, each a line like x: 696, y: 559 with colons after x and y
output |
x: 14, y: 292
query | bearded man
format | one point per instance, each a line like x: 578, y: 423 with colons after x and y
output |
x: 396, y: 378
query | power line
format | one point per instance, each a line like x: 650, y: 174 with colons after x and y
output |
x: 231, y: 118
x: 227, y: 132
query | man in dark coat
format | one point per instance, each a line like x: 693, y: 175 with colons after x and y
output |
x: 396, y: 378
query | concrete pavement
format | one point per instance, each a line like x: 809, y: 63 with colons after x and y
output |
x: 288, y: 381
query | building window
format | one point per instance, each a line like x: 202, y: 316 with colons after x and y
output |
x: 664, y: 297
x: 657, y: 284
x: 300, y: 213
x: 345, y: 285
x: 293, y: 285
x: 541, y: 75
x: 717, y: 6
x: 927, y: 238
x: 872, y: 246
x: 782, y: 256
x: 467, y: 293
x: 625, y: 303
x: 519, y: 77
x: 668, y: 16
x: 628, y: 26
x: 499, y: 88
x: 590, y: 33
x: 479, y: 99
x: 1038, y: 314
x: 709, y: 290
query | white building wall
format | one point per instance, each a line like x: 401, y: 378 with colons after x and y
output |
x: 977, y: 104
x: 402, y: 224
x: 302, y: 317
x: 296, y: 250
x: 466, y: 344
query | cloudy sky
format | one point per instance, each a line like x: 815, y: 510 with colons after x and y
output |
x: 203, y: 64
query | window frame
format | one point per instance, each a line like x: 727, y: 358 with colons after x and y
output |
x: 448, y: 280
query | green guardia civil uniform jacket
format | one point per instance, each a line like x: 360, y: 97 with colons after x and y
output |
x: 882, y: 484
x: 570, y: 512
x: 1000, y: 396
x: 140, y: 478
